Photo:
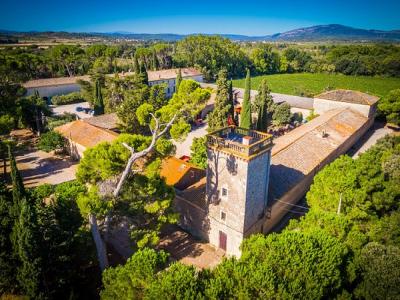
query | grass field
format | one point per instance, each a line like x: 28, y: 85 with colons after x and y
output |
x: 306, y: 84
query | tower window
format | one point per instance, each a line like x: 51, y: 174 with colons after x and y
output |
x: 223, y: 216
x: 224, y: 192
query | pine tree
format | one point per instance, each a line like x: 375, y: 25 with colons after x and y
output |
x: 222, y: 107
x: 245, y: 114
x: 18, y: 190
x: 98, y: 100
x: 178, y: 80
x: 265, y: 106
x: 26, y: 244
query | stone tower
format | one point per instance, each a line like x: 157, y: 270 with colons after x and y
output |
x: 237, y: 185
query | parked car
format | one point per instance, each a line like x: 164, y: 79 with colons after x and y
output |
x: 79, y: 108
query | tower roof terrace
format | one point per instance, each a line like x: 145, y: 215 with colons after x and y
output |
x: 240, y: 142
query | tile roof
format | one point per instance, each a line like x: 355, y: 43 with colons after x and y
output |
x: 172, y: 73
x: 106, y: 121
x: 86, y: 134
x: 53, y: 81
x: 302, y: 150
x: 177, y: 172
x: 153, y: 76
x: 348, y: 96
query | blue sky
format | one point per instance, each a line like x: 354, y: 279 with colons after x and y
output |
x: 251, y: 17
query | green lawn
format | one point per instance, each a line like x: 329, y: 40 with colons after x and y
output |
x: 307, y: 84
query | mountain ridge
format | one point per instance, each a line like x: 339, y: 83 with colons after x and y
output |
x: 312, y: 33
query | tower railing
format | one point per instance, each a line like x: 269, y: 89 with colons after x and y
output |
x: 230, y: 139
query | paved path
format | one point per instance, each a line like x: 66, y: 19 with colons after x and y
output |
x: 71, y: 108
x: 186, y: 249
x: 183, y: 148
x: 38, y: 167
x: 377, y: 131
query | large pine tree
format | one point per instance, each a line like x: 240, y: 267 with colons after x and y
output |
x: 245, y: 113
x: 265, y: 106
x: 222, y: 107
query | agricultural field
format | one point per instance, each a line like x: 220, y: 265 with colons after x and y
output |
x: 307, y: 84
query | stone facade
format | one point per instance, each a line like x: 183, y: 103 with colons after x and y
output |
x: 236, y: 189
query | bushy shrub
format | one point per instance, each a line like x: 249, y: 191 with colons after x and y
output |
x: 281, y: 114
x: 74, y: 97
x: 53, y: 122
x: 389, y: 107
x: 50, y: 141
x: 6, y: 124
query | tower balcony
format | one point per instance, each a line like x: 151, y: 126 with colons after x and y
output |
x: 241, y: 142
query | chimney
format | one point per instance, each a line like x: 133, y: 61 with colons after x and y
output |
x: 246, y: 140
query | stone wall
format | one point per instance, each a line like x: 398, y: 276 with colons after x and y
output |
x: 322, y: 105
x: 50, y: 91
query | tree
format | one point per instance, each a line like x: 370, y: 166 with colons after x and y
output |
x: 211, y: 54
x: 281, y: 114
x: 265, y: 106
x: 218, y: 118
x: 18, y: 189
x: 230, y: 93
x: 389, y: 107
x: 380, y: 267
x: 198, y: 152
x: 178, y: 281
x: 26, y: 245
x: 131, y: 280
x: 178, y: 80
x: 245, y: 113
x: 265, y: 60
x: 318, y: 257
x: 50, y: 141
x: 361, y: 184
x: 98, y: 100
x: 7, y: 259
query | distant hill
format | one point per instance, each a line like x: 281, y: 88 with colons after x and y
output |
x: 333, y: 32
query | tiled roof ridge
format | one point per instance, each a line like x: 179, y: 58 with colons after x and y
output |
x: 322, y: 121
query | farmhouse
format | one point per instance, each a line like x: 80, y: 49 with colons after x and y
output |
x: 82, y: 135
x: 252, y: 181
x: 64, y: 85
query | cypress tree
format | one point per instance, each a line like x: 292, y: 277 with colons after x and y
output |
x: 18, y: 190
x: 136, y: 65
x: 154, y: 61
x: 265, y: 103
x: 218, y: 118
x: 98, y: 100
x: 143, y: 73
x: 245, y: 114
x: 7, y: 261
x: 178, y: 80
x: 230, y: 93
x: 26, y: 244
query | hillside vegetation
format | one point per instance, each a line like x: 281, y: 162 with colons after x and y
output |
x: 306, y: 84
